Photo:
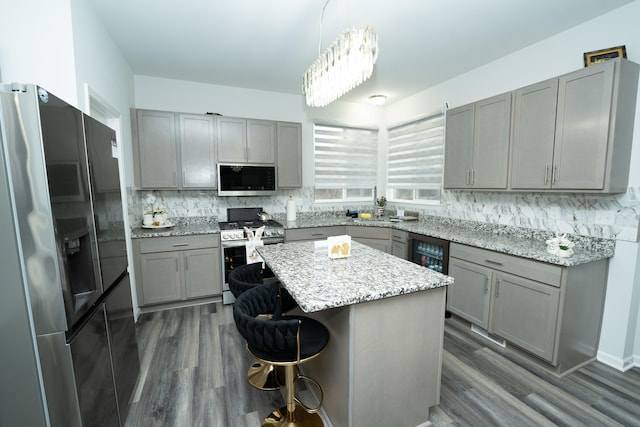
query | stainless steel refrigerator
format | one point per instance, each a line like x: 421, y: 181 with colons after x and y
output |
x: 69, y: 355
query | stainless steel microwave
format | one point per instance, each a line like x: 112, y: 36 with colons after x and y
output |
x: 246, y: 179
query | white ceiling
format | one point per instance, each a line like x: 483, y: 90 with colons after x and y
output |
x: 268, y: 44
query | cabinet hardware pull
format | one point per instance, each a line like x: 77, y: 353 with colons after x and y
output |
x: 497, y: 288
x: 175, y: 245
x: 473, y: 176
x: 546, y: 174
x: 468, y: 176
x: 493, y: 262
x: 555, y: 174
x: 486, y: 284
x: 186, y: 264
x: 317, y: 234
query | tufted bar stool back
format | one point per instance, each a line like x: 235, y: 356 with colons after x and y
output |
x: 286, y: 341
x: 263, y: 376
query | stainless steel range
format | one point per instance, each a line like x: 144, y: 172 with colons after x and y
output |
x: 234, y: 238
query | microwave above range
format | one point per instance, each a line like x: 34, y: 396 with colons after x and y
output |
x: 246, y: 179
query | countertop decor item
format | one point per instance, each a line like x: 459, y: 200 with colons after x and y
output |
x: 560, y: 246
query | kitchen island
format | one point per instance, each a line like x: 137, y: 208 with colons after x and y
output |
x: 385, y: 316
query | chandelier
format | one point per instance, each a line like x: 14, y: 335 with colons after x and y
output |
x: 346, y: 63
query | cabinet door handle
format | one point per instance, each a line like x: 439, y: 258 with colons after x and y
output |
x: 486, y: 284
x: 316, y: 234
x: 176, y: 245
x: 186, y: 264
x: 492, y: 262
x: 555, y: 174
x: 497, y: 288
x: 473, y: 176
x: 546, y: 174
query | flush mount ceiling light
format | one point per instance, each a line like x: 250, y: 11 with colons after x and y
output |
x: 377, y: 100
x: 346, y: 63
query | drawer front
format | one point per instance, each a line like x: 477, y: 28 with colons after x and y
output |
x: 399, y: 235
x: 178, y: 243
x: 369, y: 232
x: 534, y: 270
x: 316, y: 233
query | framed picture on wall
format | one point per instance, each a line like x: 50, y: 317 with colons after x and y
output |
x: 597, y: 56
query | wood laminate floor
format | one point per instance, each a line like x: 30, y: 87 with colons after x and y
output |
x: 193, y: 373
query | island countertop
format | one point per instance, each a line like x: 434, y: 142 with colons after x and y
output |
x: 318, y: 283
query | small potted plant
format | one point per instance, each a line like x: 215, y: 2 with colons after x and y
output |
x: 381, y: 202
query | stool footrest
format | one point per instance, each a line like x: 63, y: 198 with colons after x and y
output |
x: 311, y: 380
x: 301, y: 418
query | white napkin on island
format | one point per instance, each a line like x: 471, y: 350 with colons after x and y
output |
x: 252, y: 241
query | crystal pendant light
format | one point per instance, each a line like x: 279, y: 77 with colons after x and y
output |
x: 346, y: 63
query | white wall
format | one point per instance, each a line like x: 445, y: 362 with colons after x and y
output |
x: 558, y: 55
x: 36, y: 45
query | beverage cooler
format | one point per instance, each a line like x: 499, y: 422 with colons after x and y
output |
x: 429, y: 252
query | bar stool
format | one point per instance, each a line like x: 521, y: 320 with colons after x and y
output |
x: 286, y: 341
x: 263, y: 376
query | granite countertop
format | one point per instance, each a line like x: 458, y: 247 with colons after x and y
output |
x: 522, y: 242
x: 181, y: 227
x: 367, y: 275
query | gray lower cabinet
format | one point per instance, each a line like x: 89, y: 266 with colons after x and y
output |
x: 377, y: 238
x: 400, y: 243
x: 470, y: 294
x: 312, y: 233
x: 525, y: 313
x: 289, y: 154
x: 550, y: 311
x: 173, y: 150
x: 174, y: 269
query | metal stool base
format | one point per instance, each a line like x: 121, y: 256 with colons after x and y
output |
x: 265, y: 376
x: 301, y: 418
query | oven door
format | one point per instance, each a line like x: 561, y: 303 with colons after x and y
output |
x: 234, y: 255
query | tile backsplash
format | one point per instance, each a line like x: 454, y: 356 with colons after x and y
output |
x: 607, y: 216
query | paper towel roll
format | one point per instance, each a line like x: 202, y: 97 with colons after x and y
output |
x: 291, y: 209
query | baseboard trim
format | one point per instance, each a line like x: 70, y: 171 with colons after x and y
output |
x: 485, y: 334
x: 618, y: 363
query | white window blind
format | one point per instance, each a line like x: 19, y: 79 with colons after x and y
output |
x: 345, y: 162
x: 416, y: 161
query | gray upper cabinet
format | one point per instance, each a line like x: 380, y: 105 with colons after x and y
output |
x: 534, y: 125
x: 571, y: 133
x: 174, y: 150
x: 233, y: 139
x: 595, y: 157
x: 246, y: 141
x: 289, y: 154
x: 477, y: 144
x: 156, y: 154
x: 458, y: 157
x: 198, y: 150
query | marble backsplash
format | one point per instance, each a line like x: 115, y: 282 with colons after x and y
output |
x: 605, y: 216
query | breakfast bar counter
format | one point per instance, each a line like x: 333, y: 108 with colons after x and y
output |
x: 385, y: 316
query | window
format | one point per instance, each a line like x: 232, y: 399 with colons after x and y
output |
x: 416, y: 161
x: 345, y: 163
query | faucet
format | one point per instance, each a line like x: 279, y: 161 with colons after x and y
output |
x: 375, y: 196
